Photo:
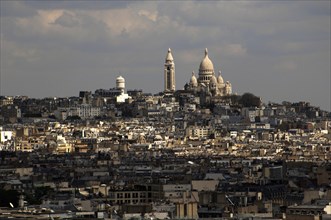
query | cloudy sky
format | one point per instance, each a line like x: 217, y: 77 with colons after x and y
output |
x: 279, y: 50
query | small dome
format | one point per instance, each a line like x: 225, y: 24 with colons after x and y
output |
x: 220, y: 78
x: 169, y: 56
x: 120, y: 79
x: 206, y: 64
x: 213, y: 80
x: 194, y: 80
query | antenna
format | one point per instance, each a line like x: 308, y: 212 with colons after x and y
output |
x: 229, y: 200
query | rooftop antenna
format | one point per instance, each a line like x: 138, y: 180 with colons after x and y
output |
x: 229, y: 200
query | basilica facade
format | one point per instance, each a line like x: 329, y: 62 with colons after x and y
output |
x: 207, y: 82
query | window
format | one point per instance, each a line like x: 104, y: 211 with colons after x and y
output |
x: 185, y: 210
x: 127, y: 195
x: 169, y: 81
x: 119, y: 195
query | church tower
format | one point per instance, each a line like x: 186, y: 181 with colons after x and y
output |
x: 169, y: 73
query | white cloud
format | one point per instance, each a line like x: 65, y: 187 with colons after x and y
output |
x: 148, y: 14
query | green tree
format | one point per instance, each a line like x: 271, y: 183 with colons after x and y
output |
x: 250, y: 100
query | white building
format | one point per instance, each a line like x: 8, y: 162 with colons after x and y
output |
x: 84, y: 111
x: 5, y: 136
x: 207, y: 81
x: 120, y: 85
x: 198, y: 131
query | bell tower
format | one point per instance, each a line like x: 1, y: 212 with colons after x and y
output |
x: 169, y: 73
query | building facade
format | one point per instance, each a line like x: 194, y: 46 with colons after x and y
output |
x: 207, y: 82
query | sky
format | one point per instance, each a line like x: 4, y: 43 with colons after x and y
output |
x: 278, y: 50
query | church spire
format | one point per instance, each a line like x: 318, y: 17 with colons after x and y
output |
x: 169, y: 56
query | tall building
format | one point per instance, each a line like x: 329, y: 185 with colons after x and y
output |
x: 169, y: 73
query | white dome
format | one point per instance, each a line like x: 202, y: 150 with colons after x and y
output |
x: 120, y: 79
x: 213, y: 80
x: 220, y: 78
x: 120, y: 83
x: 206, y: 65
x: 193, y: 80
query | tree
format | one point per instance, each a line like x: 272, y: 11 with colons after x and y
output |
x: 250, y: 100
x: 39, y: 193
x: 73, y: 118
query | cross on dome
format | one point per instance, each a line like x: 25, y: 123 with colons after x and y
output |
x: 206, y: 66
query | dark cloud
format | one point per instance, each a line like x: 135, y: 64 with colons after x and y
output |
x: 66, y: 20
x: 77, y: 4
